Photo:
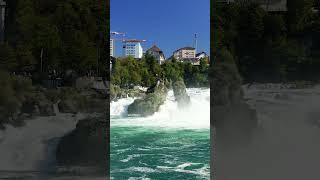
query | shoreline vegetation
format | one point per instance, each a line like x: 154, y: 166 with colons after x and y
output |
x: 128, y: 74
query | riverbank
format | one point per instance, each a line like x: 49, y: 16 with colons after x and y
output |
x: 45, y: 124
x: 21, y: 101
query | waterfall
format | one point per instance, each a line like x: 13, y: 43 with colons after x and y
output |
x: 195, y: 116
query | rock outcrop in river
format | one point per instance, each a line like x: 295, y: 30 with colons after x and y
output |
x: 232, y: 116
x: 150, y: 103
x: 180, y: 93
x: 85, y: 146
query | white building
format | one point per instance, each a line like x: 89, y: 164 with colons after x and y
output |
x: 112, y: 48
x: 157, y: 53
x: 201, y: 55
x: 185, y: 53
x: 133, y: 48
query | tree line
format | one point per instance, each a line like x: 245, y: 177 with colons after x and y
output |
x: 45, y: 38
x: 127, y: 72
x: 269, y: 46
x: 42, y: 36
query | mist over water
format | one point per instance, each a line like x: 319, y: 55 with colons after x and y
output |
x: 171, y: 143
x: 286, y: 143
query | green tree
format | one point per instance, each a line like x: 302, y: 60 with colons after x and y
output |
x: 7, y: 57
x: 299, y: 14
x: 26, y: 19
x: 275, y: 26
x: 25, y: 58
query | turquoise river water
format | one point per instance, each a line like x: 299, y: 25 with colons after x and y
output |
x: 171, y: 144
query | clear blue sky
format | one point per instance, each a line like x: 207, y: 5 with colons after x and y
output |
x: 170, y: 24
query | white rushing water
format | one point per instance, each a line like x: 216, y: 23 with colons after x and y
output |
x: 196, y: 116
x: 173, y: 142
x: 32, y: 147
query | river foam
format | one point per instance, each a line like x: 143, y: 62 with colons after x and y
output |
x: 32, y: 147
x: 196, y: 116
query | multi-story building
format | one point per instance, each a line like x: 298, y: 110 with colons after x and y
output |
x: 157, y: 53
x: 185, y: 53
x: 133, y: 48
x: 112, y: 47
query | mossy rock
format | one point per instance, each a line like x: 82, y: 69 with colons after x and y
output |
x: 150, y: 103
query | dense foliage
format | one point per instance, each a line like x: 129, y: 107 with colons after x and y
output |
x: 14, y: 90
x: 270, y: 46
x: 67, y: 37
x: 128, y: 72
x: 66, y: 34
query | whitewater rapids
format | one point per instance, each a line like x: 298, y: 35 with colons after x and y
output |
x: 172, y: 142
x: 195, y: 116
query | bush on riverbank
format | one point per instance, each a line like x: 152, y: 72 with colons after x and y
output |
x: 117, y: 92
x: 14, y: 91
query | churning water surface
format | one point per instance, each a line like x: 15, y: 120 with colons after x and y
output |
x: 172, y: 143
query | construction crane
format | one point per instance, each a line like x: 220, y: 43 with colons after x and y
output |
x: 195, y: 43
x: 124, y: 40
x: 117, y: 33
x: 133, y: 40
x: 114, y: 33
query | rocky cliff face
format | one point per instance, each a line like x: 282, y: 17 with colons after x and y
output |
x: 87, y: 146
x: 233, y: 118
